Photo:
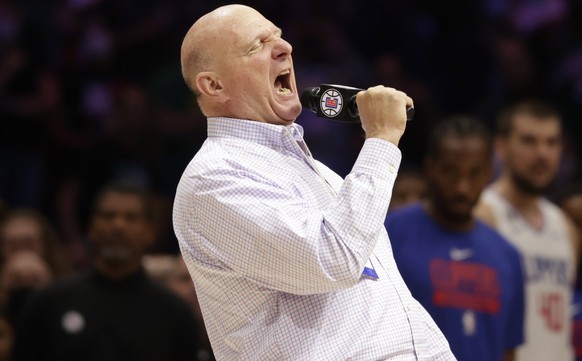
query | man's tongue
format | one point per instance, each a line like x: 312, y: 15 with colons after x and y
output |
x: 280, y: 87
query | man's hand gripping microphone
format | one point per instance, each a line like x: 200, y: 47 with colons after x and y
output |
x: 336, y: 102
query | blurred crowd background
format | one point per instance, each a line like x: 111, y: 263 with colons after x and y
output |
x: 91, y: 90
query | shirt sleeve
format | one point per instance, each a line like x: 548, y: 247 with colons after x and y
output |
x: 277, y: 238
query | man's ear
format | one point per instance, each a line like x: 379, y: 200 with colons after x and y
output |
x: 208, y: 83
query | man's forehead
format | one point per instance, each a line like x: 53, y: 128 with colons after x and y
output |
x: 235, y: 25
x: 250, y: 29
x: 532, y: 124
x: 120, y: 201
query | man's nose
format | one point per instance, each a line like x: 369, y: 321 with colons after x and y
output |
x: 545, y: 149
x: 282, y: 49
x: 118, y: 222
x: 462, y: 186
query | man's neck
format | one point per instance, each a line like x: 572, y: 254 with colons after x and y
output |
x: 446, y: 223
x: 117, y: 271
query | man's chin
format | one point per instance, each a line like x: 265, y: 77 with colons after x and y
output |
x: 530, y: 187
x: 288, y: 113
x: 115, y: 254
x: 459, y: 212
x: 460, y: 217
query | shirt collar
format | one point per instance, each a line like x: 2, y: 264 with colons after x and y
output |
x: 270, y: 135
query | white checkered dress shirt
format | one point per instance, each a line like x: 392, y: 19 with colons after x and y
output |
x: 277, y: 243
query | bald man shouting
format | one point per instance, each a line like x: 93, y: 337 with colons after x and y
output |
x: 289, y: 260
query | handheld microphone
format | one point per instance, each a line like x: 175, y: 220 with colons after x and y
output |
x: 336, y: 102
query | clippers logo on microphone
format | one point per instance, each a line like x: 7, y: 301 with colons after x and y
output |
x: 331, y: 102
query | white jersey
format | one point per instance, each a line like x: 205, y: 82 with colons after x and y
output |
x: 549, y: 271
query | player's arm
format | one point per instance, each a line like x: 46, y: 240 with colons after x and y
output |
x: 484, y: 212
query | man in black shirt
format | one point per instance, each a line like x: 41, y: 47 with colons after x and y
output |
x: 113, y: 312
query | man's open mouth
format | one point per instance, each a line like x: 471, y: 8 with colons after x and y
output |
x: 282, y: 82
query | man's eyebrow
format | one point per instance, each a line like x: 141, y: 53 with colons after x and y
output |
x: 278, y: 31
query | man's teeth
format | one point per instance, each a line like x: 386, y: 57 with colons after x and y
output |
x: 284, y: 91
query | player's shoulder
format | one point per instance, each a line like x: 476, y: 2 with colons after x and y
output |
x: 552, y: 209
x: 407, y: 211
x: 405, y: 222
x: 494, y: 239
x: 405, y: 214
x: 484, y: 208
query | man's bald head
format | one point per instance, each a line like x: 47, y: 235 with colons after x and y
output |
x: 239, y: 66
x: 200, y: 43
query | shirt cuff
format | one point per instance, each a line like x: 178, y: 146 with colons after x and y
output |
x: 378, y: 157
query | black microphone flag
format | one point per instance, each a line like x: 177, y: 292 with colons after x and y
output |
x: 336, y: 102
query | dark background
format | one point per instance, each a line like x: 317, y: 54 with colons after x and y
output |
x: 91, y: 91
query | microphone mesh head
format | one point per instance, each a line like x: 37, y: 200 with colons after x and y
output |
x: 308, y: 98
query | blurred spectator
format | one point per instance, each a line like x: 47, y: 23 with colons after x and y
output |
x: 31, y: 256
x: 24, y: 273
x: 529, y: 144
x: 409, y: 187
x: 463, y: 272
x: 29, y: 230
x: 114, y: 311
x: 24, y: 269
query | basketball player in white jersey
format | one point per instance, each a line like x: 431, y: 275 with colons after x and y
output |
x: 529, y: 146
